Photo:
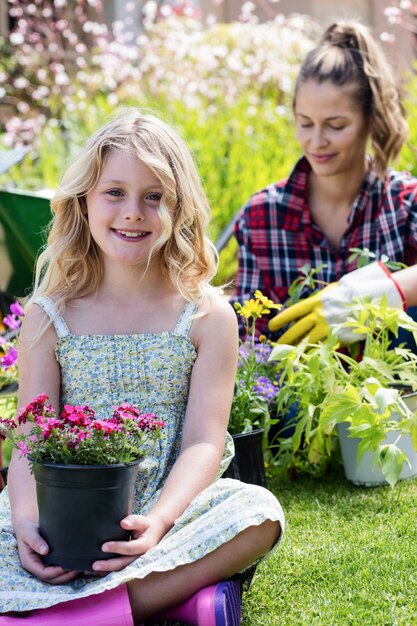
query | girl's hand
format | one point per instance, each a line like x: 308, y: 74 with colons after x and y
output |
x: 147, y: 531
x: 31, y: 546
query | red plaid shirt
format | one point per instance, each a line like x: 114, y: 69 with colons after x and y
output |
x: 276, y: 235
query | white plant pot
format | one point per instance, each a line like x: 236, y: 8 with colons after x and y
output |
x: 366, y: 472
x: 411, y: 400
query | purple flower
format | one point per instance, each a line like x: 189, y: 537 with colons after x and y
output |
x: 264, y: 388
x: 261, y: 352
x: 11, y: 322
x: 23, y: 447
x: 17, y: 309
x: 9, y: 358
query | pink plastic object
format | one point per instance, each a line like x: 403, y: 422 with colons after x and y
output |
x: 218, y: 605
x: 111, y: 608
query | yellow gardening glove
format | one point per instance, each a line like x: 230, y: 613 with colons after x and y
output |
x: 317, y: 315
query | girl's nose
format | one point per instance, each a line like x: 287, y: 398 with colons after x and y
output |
x: 134, y: 211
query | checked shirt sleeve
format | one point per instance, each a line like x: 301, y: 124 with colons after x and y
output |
x: 248, y: 277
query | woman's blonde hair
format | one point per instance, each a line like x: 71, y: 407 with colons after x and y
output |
x: 347, y: 55
x: 71, y: 266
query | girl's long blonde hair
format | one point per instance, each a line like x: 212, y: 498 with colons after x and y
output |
x: 349, y: 56
x: 71, y: 267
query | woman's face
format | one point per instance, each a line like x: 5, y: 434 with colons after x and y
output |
x: 331, y: 128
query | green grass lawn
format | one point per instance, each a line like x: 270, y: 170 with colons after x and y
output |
x: 348, y: 557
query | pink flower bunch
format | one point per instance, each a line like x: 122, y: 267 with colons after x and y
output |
x: 8, y: 352
x: 78, y: 437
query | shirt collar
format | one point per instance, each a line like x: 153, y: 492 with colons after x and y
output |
x: 295, y: 196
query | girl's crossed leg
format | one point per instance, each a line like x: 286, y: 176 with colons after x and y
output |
x: 186, y: 593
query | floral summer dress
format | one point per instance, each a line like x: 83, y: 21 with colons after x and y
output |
x: 151, y: 371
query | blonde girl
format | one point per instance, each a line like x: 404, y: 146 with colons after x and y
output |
x: 123, y: 311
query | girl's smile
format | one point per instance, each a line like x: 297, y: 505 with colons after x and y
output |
x: 131, y: 235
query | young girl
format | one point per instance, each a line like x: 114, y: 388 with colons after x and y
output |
x: 338, y: 196
x: 123, y: 312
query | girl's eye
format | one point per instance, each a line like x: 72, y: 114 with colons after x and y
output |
x: 154, y: 197
x: 306, y: 125
x: 337, y: 127
x: 115, y: 192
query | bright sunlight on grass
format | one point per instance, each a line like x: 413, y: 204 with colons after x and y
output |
x: 348, y: 557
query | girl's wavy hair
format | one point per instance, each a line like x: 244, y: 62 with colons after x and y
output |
x: 71, y: 267
x: 347, y: 55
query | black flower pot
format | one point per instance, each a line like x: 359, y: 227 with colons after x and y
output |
x: 80, y: 507
x: 248, y: 462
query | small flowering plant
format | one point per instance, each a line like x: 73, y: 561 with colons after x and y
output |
x: 8, y: 351
x: 255, y: 386
x: 78, y: 437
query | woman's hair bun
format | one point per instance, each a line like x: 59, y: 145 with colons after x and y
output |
x: 339, y: 35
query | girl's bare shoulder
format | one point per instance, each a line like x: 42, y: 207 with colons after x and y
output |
x: 218, y: 322
x: 36, y: 326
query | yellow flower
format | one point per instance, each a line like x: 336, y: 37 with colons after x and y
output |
x: 257, y: 307
x: 251, y: 308
x: 268, y: 304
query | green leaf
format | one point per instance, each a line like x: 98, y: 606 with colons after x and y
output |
x: 299, y: 429
x: 314, y: 364
x: 340, y: 407
x: 371, y: 443
x: 281, y: 351
x: 391, y: 460
x: 412, y: 424
x: 372, y: 385
x: 316, y: 449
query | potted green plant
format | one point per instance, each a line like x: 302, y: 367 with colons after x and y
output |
x: 306, y: 376
x: 255, y: 388
x: 374, y: 408
x: 85, y: 470
x: 369, y: 396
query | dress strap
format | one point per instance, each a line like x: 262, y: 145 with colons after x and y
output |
x: 184, y: 323
x: 55, y: 316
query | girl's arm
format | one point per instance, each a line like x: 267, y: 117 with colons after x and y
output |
x: 211, y: 391
x: 208, y: 409
x: 38, y: 373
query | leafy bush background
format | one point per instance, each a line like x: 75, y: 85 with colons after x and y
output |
x: 227, y: 88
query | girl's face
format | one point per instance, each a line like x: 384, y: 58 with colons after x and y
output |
x: 331, y: 128
x: 122, y: 210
